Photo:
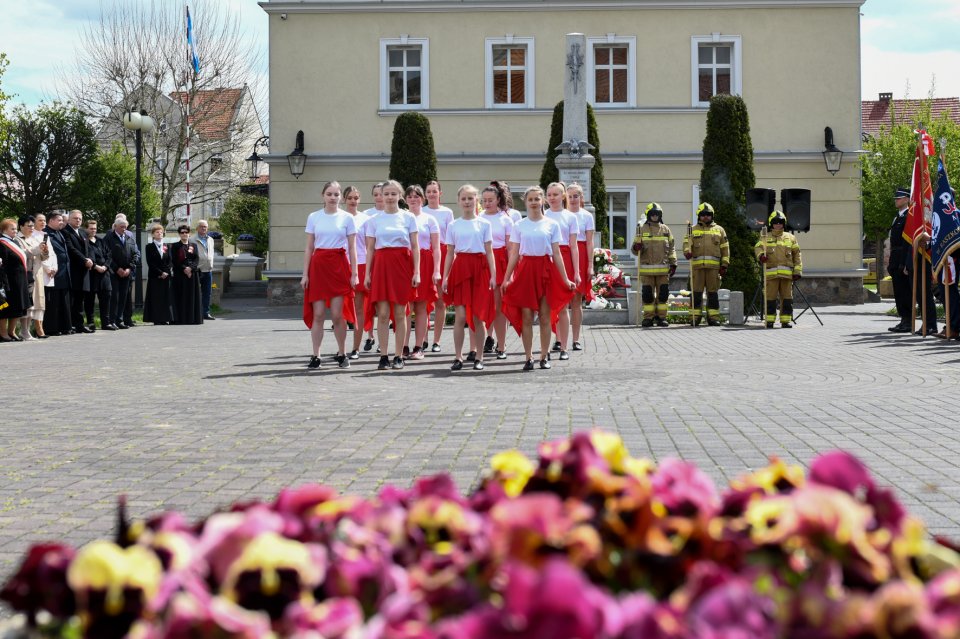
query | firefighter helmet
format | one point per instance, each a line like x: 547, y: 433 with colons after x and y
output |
x: 654, y: 209
x: 705, y: 209
x: 777, y: 217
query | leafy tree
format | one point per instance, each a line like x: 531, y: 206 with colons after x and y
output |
x: 106, y: 185
x: 550, y: 172
x: 726, y: 176
x: 246, y: 213
x: 43, y: 151
x: 4, y: 97
x: 888, y: 164
x: 412, y: 156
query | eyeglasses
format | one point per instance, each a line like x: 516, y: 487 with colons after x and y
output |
x: 182, y: 232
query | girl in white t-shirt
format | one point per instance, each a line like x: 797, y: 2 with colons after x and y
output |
x: 425, y: 296
x: 443, y: 216
x: 393, y: 269
x: 329, y: 273
x: 351, y: 199
x: 469, y: 275
x: 535, y: 281
x: 494, y: 211
x: 377, y: 193
x: 587, y: 228
x: 507, y: 197
x: 569, y: 231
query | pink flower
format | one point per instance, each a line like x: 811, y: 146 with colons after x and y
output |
x: 733, y: 610
x: 41, y: 583
x: 685, y: 489
x: 845, y: 472
x: 335, y: 618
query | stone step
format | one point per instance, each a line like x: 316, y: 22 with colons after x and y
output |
x: 246, y: 289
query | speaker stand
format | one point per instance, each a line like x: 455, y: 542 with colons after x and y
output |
x: 806, y: 303
x: 761, y: 313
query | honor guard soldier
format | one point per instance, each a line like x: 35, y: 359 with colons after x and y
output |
x: 779, y: 257
x: 657, y: 262
x: 708, y: 250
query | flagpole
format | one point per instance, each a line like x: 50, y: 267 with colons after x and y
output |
x: 189, y: 99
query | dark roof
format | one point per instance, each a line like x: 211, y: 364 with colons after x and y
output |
x: 212, y: 111
x: 875, y: 113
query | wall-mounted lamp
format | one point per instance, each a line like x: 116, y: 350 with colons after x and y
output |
x: 253, y: 162
x: 832, y: 156
x: 298, y: 159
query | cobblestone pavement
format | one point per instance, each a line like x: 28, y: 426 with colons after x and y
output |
x: 195, y: 417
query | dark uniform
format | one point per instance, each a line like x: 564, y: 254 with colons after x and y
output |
x: 900, y: 266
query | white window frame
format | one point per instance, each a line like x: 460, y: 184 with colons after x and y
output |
x: 736, y: 64
x: 612, y: 39
x: 694, y: 200
x: 404, y: 41
x: 529, y: 76
x: 623, y: 254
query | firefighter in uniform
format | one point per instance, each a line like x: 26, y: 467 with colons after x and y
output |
x: 780, y: 261
x: 657, y: 262
x: 709, y: 253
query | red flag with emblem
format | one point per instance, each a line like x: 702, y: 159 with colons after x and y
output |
x: 921, y: 193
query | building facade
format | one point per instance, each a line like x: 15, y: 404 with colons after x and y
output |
x: 488, y: 73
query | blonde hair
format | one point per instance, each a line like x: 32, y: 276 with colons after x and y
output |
x: 563, y: 189
x: 328, y: 185
x: 467, y: 187
x: 154, y: 227
x: 527, y: 193
x: 394, y: 184
x: 576, y: 187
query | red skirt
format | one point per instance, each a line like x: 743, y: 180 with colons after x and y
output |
x: 328, y: 278
x: 427, y: 291
x: 586, y: 285
x: 500, y: 258
x: 389, y: 282
x: 534, y: 278
x: 469, y: 285
x: 362, y: 273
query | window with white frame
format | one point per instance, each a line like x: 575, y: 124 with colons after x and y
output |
x: 509, y: 73
x: 404, y: 73
x: 215, y: 208
x: 621, y: 211
x: 715, y: 66
x: 611, y: 79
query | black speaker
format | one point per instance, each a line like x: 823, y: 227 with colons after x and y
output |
x: 759, y: 207
x: 796, y: 206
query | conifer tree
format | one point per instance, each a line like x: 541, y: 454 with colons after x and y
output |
x: 413, y: 159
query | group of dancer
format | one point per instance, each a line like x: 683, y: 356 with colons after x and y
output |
x: 491, y: 265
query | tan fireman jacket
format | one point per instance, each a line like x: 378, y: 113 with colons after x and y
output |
x: 658, y: 253
x: 783, y: 255
x: 709, y: 246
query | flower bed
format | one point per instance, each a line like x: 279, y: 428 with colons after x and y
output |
x: 607, y: 278
x: 585, y: 542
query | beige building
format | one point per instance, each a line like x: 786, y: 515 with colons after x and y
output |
x: 487, y: 73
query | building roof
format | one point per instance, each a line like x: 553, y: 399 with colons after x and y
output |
x: 877, y: 113
x: 212, y: 111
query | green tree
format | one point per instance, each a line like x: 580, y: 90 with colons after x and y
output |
x: 43, y: 151
x: 4, y: 97
x: 245, y: 213
x: 726, y: 176
x: 412, y: 156
x: 550, y: 172
x: 106, y: 185
x: 888, y: 164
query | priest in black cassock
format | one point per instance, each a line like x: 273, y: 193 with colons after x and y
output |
x: 186, y: 279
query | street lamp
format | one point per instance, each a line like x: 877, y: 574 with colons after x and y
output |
x: 140, y: 123
x: 832, y: 156
x: 297, y: 159
x: 253, y: 162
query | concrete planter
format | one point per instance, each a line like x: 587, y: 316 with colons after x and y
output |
x: 885, y: 288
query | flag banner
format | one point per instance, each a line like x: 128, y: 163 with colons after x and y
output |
x: 194, y: 60
x: 945, y: 223
x: 921, y: 195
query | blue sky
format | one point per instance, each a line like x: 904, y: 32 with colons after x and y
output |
x: 905, y: 44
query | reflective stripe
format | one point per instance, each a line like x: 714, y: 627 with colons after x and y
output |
x: 771, y: 318
x: 653, y: 269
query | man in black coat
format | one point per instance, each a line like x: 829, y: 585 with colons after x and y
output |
x: 900, y: 265
x: 123, y: 256
x: 99, y: 277
x: 81, y: 263
x: 56, y: 317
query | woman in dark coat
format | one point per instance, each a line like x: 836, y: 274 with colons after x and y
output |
x: 14, y: 279
x: 158, y: 303
x: 186, y: 281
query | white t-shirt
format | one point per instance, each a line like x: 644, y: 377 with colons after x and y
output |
x: 514, y: 215
x: 469, y: 236
x: 359, y: 220
x: 330, y: 230
x: 372, y: 211
x: 444, y: 216
x: 586, y: 223
x: 391, y: 230
x: 501, y: 225
x: 427, y: 225
x: 536, y: 238
x: 568, y: 224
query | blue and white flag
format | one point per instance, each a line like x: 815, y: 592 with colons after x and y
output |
x: 945, y: 223
x: 194, y: 60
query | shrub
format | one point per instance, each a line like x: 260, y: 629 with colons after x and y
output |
x: 412, y: 156
x: 247, y: 214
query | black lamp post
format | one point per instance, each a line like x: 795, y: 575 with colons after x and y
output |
x: 832, y: 156
x: 253, y: 162
x: 138, y: 122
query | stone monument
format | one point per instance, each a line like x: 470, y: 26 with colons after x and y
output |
x: 575, y: 161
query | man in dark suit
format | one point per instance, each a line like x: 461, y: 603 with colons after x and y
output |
x: 123, y: 255
x: 128, y: 303
x: 56, y: 317
x: 99, y: 277
x: 80, y: 264
x: 901, y: 263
